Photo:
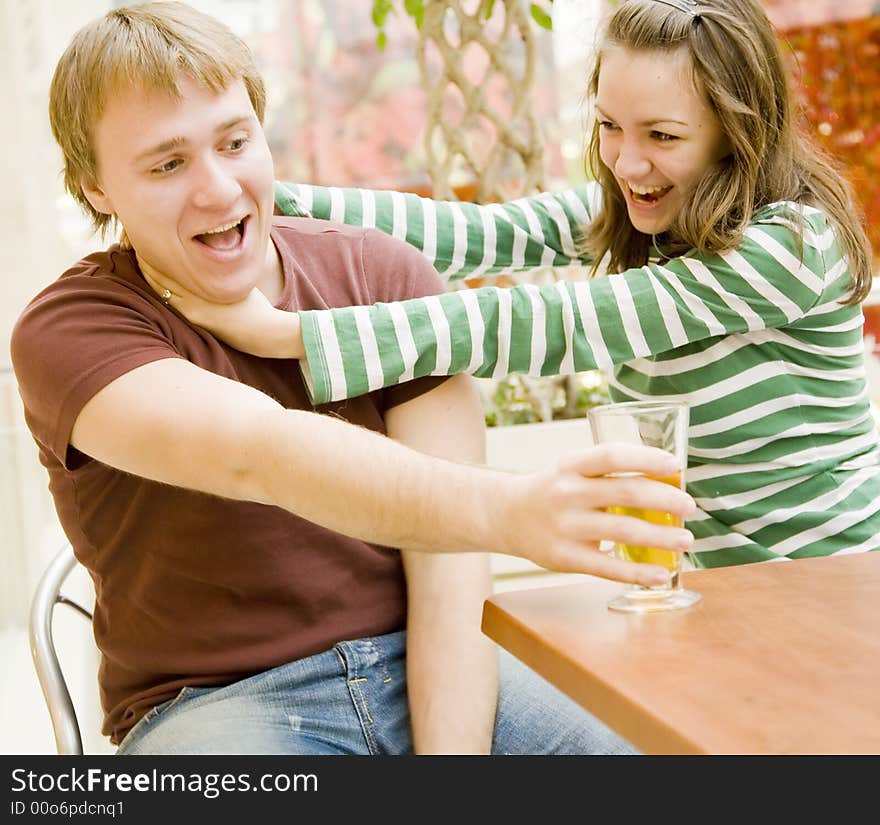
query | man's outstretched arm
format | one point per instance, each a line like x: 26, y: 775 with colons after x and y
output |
x: 178, y: 424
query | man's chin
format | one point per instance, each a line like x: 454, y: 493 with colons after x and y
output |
x: 229, y: 297
x: 224, y: 293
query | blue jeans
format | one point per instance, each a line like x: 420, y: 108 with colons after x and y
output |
x: 352, y: 700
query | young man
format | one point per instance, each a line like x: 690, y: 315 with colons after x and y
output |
x: 248, y: 596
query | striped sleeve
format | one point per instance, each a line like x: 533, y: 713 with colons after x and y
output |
x: 766, y: 282
x: 461, y: 240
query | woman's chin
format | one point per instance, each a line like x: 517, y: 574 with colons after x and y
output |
x: 649, y: 225
x: 653, y: 219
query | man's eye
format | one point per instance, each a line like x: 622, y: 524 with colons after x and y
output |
x: 168, y: 166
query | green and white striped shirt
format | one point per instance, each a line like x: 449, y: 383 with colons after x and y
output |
x: 783, y: 449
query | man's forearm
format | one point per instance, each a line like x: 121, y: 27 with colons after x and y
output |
x: 372, y: 488
x: 362, y: 484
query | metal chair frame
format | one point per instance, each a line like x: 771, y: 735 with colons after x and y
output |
x: 68, y: 738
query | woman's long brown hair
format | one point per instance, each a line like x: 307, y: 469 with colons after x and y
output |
x: 738, y: 67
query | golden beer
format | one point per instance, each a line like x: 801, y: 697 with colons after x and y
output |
x: 662, y: 424
x: 652, y: 555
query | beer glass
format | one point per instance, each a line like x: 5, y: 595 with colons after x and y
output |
x: 662, y: 424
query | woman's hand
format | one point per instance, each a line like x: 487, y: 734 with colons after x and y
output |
x: 251, y: 325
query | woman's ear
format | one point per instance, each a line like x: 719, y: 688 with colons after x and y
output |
x: 97, y: 197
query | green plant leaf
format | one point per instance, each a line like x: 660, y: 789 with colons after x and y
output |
x: 416, y: 10
x: 380, y: 12
x: 540, y: 16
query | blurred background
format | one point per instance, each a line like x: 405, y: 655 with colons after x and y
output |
x: 350, y: 103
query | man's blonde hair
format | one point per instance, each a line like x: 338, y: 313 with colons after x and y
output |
x: 150, y: 45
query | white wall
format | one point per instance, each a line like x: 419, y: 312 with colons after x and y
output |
x: 40, y: 234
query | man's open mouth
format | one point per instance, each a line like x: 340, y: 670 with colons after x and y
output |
x: 225, y: 236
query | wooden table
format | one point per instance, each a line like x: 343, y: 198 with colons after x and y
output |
x: 776, y: 658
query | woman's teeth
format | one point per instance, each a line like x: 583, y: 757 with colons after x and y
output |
x: 648, y: 194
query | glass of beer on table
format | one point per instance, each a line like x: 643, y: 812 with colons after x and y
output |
x: 662, y: 424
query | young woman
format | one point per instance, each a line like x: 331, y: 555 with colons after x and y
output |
x: 738, y: 271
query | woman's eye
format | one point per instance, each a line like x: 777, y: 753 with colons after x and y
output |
x: 237, y: 144
x: 606, y: 124
x: 663, y: 136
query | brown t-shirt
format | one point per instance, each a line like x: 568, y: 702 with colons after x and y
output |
x: 193, y: 589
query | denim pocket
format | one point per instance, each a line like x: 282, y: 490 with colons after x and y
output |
x: 170, y: 703
x: 152, y: 714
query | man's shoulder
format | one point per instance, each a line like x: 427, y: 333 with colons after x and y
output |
x: 330, y: 254
x: 102, y: 278
x: 303, y: 228
x: 328, y: 240
x: 106, y: 265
